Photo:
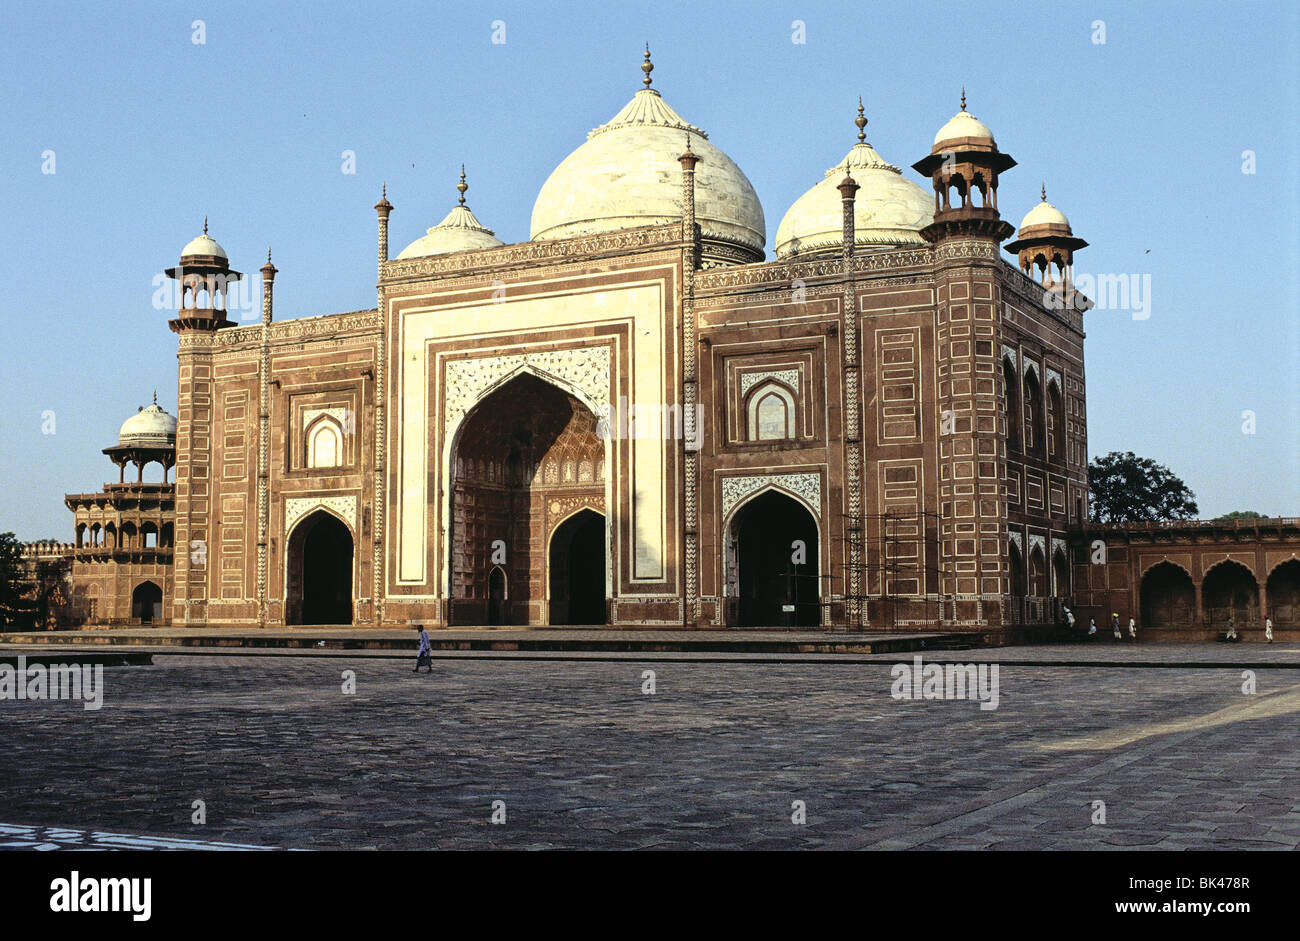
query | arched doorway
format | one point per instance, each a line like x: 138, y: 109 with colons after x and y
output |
x: 1284, y: 594
x: 1167, y: 597
x: 773, y: 540
x: 146, y: 602
x: 577, y: 570
x: 497, y: 596
x: 525, y: 456
x: 320, y: 571
x: 1229, y: 590
x: 1016, y: 562
x: 1037, y: 573
x: 1061, y: 574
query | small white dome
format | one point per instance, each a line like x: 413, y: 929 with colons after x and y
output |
x: 1044, y: 214
x: 460, y: 231
x: 627, y: 174
x: 963, y: 124
x: 888, y: 210
x: 151, y: 427
x: 203, y: 245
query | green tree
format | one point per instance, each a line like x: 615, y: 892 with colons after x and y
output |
x: 11, y: 570
x: 1126, y: 488
x: 1241, y: 515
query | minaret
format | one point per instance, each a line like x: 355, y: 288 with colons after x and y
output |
x: 264, y: 438
x: 383, y: 209
x: 968, y: 334
x: 854, y: 613
x: 690, y: 375
x: 204, y: 274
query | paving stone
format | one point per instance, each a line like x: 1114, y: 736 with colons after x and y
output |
x: 582, y: 760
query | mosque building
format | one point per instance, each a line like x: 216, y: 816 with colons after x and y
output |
x: 636, y: 417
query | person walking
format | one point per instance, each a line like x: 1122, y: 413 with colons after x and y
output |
x: 1268, y: 630
x: 1069, y: 616
x: 1132, y: 628
x: 1114, y: 625
x: 1092, y: 627
x: 1232, y: 628
x: 423, y: 656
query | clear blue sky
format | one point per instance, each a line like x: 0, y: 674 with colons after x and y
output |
x: 1140, y: 140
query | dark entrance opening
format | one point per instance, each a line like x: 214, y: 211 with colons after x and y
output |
x: 1284, y: 594
x: 774, y: 540
x: 1061, y: 569
x: 497, y: 596
x: 146, y: 602
x: 1230, y: 591
x: 1168, y: 598
x: 1016, y: 563
x: 320, y: 571
x: 577, y: 570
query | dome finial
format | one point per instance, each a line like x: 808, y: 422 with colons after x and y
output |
x: 647, y: 67
x: 155, y: 396
x: 1044, y: 191
x: 963, y: 98
x: 268, y: 254
x: 205, y: 225
x: 383, y: 190
x: 861, y: 122
x: 462, y: 185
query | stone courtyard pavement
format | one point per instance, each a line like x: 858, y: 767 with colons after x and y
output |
x: 582, y: 758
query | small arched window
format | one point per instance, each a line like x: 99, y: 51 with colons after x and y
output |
x: 324, y: 444
x: 1033, y: 413
x: 771, y: 413
x: 1011, y: 386
x: 1055, y: 422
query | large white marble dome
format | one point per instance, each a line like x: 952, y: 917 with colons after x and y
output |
x: 888, y: 211
x: 627, y: 174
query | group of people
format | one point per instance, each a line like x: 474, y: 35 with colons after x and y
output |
x: 1133, y: 631
x: 1231, y: 633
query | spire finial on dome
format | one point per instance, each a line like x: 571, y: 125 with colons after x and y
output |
x: 861, y: 122
x: 462, y: 186
x: 268, y: 254
x: 383, y: 190
x: 1044, y: 191
x: 205, y: 225
x: 963, y: 98
x: 155, y: 396
x: 647, y: 67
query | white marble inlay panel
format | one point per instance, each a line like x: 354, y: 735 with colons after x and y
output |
x: 807, y: 486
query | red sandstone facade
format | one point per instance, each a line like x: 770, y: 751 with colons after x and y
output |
x: 652, y: 426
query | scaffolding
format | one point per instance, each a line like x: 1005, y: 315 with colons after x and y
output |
x: 883, y: 566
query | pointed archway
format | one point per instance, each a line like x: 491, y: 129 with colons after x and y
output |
x: 320, y: 561
x: 1284, y: 594
x: 146, y: 602
x: 498, y: 596
x: 1167, y: 597
x: 576, y: 575
x: 774, y: 544
x: 1230, y: 591
x: 1060, y: 574
x: 526, y: 455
